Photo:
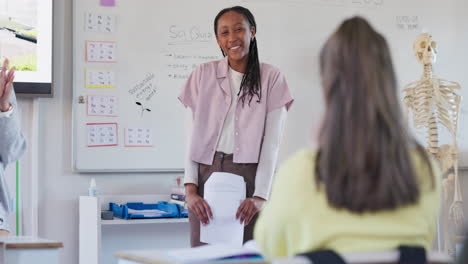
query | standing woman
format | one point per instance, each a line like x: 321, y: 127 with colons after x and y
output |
x: 370, y: 185
x: 239, y: 110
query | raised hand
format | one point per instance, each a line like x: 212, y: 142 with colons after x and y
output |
x: 6, y: 86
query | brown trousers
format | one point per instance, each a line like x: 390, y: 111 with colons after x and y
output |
x: 223, y: 163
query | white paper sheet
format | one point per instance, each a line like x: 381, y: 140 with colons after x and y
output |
x: 138, y: 137
x: 207, y: 253
x: 100, y: 78
x: 99, y: 23
x: 102, y: 134
x: 101, y: 51
x: 224, y: 192
x: 102, y: 105
x: 147, y: 213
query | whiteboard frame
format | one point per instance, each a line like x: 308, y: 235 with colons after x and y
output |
x: 75, y: 98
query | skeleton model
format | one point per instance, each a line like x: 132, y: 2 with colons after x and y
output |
x: 435, y: 105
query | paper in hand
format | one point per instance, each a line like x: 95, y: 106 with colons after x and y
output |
x: 224, y: 192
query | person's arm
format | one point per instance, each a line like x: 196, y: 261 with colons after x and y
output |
x: 274, y: 128
x: 12, y: 143
x: 191, y: 167
x: 275, y: 124
x: 195, y: 202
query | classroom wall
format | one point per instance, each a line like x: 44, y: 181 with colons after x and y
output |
x: 26, y: 165
x: 59, y: 187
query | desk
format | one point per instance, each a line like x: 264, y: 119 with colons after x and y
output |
x: 157, y: 257
x: 389, y: 257
x: 26, y: 250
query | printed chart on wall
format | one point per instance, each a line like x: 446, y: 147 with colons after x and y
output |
x: 129, y: 68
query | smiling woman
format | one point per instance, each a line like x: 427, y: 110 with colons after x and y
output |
x: 235, y: 34
x: 26, y: 38
x: 228, y: 136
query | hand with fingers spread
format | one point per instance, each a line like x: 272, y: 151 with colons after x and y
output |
x: 6, y: 86
x: 197, y: 204
x: 249, y: 208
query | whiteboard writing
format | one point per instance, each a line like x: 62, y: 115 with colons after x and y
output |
x: 179, y: 65
x: 188, y: 35
x: 145, y: 89
x: 407, y: 23
x: 368, y: 3
x: 308, y: 3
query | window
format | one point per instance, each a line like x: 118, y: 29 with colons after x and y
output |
x: 26, y: 40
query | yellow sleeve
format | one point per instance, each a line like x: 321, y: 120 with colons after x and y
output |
x: 271, y: 228
x: 430, y: 191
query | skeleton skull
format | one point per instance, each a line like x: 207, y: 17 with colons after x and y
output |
x: 425, y: 49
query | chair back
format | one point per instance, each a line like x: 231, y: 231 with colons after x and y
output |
x: 372, y: 257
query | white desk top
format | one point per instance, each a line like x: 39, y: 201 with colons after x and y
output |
x: 28, y: 242
x: 158, y: 257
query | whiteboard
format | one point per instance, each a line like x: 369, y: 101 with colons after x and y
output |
x: 158, y: 43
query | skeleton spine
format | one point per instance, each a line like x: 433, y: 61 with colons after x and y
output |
x: 433, y: 135
x: 427, y: 71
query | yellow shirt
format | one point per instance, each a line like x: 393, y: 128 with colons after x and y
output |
x: 298, y: 218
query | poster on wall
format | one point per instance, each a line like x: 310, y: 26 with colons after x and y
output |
x: 26, y: 40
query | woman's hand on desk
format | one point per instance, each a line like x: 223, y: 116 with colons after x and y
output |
x: 198, y: 205
x: 249, y: 208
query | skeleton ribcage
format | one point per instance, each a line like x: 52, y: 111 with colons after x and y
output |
x: 434, y: 101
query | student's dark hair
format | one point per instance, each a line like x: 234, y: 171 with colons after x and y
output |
x: 250, y: 85
x: 364, y: 159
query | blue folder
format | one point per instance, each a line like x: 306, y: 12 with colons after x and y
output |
x: 168, y: 210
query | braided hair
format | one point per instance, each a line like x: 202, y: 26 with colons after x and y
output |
x: 250, y: 85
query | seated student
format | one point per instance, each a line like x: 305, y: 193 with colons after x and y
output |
x: 370, y: 185
x: 12, y: 143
